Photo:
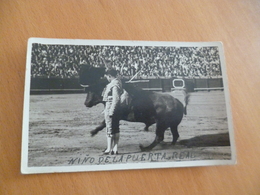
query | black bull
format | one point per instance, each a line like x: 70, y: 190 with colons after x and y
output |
x: 142, y: 106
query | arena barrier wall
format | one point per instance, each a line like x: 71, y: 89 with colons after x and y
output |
x: 71, y: 85
x: 191, y: 85
x: 55, y: 85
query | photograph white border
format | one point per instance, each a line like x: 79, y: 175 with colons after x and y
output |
x: 25, y: 128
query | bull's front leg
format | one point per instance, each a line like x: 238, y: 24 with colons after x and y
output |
x: 160, y: 129
x: 148, y: 123
x: 98, y: 128
x: 156, y: 141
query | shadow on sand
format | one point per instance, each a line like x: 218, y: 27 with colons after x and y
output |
x: 221, y: 139
x: 212, y: 140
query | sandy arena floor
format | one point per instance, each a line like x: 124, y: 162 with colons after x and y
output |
x: 60, y: 125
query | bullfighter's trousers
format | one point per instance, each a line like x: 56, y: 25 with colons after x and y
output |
x: 112, y: 122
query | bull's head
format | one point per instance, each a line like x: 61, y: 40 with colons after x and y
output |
x: 91, y: 78
x: 89, y: 75
x: 94, y: 94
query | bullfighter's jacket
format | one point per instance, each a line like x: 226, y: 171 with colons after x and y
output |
x: 111, y: 96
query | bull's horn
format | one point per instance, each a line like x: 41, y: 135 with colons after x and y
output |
x: 84, y: 85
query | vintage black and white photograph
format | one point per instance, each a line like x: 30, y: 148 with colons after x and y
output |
x: 93, y: 105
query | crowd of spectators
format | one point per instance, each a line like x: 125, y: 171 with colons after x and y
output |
x: 144, y: 61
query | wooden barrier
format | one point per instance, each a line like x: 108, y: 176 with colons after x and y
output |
x: 71, y: 85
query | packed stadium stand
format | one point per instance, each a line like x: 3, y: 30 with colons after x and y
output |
x: 63, y: 61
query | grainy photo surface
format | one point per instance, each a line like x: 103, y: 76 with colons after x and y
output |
x: 172, y: 106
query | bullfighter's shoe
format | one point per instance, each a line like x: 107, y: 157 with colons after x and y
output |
x: 112, y: 153
x: 115, y: 143
x: 109, y: 144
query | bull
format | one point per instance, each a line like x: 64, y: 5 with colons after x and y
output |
x: 138, y: 105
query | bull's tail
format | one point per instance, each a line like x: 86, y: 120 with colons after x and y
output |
x: 186, y: 101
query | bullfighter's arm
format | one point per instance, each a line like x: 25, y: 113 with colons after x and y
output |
x: 115, y: 101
